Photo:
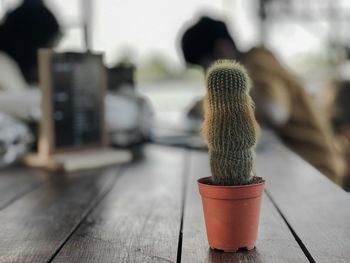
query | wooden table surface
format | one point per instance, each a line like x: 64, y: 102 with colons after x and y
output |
x: 150, y: 211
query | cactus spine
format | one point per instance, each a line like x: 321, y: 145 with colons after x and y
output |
x: 230, y: 128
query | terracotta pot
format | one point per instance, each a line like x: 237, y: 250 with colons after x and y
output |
x: 231, y: 214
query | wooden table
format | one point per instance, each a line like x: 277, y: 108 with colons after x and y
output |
x: 150, y: 211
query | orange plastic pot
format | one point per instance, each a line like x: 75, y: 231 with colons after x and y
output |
x: 231, y: 214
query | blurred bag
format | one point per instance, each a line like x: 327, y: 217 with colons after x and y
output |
x: 15, y: 139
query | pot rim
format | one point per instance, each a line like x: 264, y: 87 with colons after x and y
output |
x: 199, y: 181
x: 235, y: 192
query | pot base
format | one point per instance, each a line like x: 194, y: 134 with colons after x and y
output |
x: 234, y: 250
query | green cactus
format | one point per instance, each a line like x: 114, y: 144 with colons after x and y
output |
x: 229, y: 128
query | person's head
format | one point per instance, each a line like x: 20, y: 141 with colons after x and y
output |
x: 206, y: 41
x: 26, y: 29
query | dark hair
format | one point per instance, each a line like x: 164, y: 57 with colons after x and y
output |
x: 26, y: 29
x: 199, y: 39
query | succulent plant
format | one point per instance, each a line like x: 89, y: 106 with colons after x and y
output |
x: 230, y: 128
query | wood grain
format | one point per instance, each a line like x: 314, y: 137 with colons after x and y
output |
x: 16, y: 182
x: 139, y: 221
x: 35, y: 226
x: 275, y: 242
x: 316, y: 208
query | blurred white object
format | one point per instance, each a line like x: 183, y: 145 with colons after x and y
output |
x: 11, y: 76
x: 15, y: 139
x: 24, y: 105
x: 122, y: 113
x: 277, y: 114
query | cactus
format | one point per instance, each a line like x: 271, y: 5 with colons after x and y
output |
x: 230, y: 129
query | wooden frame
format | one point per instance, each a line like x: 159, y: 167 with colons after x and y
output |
x: 46, y: 142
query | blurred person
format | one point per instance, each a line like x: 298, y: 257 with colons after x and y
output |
x: 281, y: 102
x: 22, y: 32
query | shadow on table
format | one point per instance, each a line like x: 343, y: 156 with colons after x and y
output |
x: 217, y: 256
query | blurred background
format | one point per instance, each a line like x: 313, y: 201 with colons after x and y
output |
x: 302, y: 34
x: 310, y: 39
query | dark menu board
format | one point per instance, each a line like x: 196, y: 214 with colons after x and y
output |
x: 77, y: 94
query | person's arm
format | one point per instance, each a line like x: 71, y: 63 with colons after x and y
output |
x: 11, y: 78
x: 272, y: 101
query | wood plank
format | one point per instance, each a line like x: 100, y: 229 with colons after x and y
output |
x: 316, y: 208
x: 33, y: 228
x: 275, y: 242
x: 18, y: 181
x: 139, y: 221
